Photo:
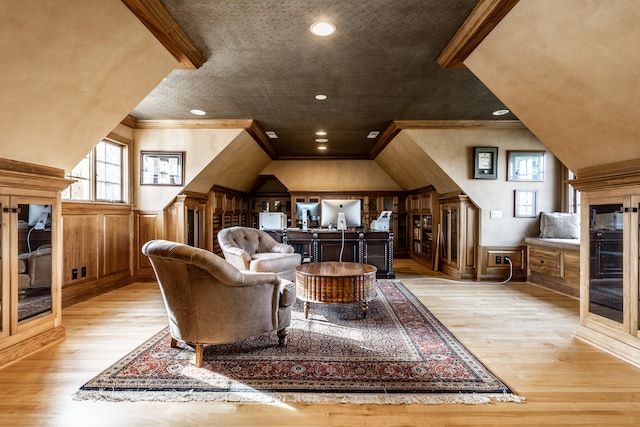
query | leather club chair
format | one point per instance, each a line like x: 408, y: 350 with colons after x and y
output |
x: 250, y: 249
x: 209, y: 301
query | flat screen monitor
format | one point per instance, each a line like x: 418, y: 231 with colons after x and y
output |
x: 313, y: 209
x: 36, y: 213
x: 350, y: 208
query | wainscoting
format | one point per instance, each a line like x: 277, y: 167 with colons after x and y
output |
x: 97, y: 248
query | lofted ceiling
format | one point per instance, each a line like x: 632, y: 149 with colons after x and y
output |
x: 261, y: 62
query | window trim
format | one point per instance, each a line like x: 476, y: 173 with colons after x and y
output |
x: 125, y: 168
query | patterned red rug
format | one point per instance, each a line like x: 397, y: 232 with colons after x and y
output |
x: 399, y: 353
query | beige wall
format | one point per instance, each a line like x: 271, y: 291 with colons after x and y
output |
x: 451, y: 151
x: 224, y: 157
x: 569, y: 70
x: 71, y: 71
x: 331, y: 175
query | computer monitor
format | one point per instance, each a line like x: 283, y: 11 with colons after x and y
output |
x: 307, y: 213
x: 40, y: 216
x: 351, y: 209
x: 313, y: 209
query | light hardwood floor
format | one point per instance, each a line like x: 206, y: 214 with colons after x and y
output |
x: 523, y: 333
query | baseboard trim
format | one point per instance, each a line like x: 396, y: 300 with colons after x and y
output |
x: 31, y: 345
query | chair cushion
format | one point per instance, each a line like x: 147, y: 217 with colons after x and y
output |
x: 273, y: 262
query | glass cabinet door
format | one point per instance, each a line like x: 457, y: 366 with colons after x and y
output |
x: 454, y: 235
x: 35, y: 277
x: 606, y: 285
x: 4, y: 270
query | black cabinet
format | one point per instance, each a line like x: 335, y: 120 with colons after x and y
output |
x: 606, y: 254
x: 371, y: 247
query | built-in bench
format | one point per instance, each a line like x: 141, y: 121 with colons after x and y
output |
x: 553, y: 258
x: 554, y: 264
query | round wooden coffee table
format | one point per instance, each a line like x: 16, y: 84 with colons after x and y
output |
x: 336, y: 283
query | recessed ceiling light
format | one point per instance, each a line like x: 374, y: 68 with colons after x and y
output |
x: 321, y: 97
x: 322, y: 140
x: 373, y: 134
x: 271, y: 134
x: 322, y: 147
x: 323, y: 29
x: 198, y: 112
x: 500, y: 112
x: 321, y: 133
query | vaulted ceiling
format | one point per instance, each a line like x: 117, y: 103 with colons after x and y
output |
x: 259, y: 61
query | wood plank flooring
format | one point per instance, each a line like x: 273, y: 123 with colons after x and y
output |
x: 523, y: 333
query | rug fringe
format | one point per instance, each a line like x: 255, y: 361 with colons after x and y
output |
x: 346, y: 398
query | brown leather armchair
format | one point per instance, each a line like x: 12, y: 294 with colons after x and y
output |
x: 209, y: 301
x: 250, y: 249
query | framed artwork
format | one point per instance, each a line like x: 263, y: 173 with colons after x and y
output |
x: 162, y: 168
x: 525, y: 165
x: 526, y: 203
x: 485, y: 162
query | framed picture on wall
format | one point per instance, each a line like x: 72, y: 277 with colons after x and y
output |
x: 526, y: 203
x: 162, y: 168
x: 485, y: 162
x: 525, y: 165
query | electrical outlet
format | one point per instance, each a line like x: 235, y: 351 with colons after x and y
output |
x: 507, y: 259
x: 74, y: 274
x: 498, y: 259
x: 83, y: 272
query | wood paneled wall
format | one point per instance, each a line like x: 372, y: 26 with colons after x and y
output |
x: 97, y: 247
x: 148, y: 226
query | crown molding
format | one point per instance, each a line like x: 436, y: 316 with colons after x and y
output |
x: 129, y: 121
x: 194, y: 124
x: 482, y: 20
x: 161, y: 24
x: 459, y: 124
x: 259, y: 136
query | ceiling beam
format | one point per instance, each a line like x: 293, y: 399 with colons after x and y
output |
x: 483, y: 19
x: 157, y: 19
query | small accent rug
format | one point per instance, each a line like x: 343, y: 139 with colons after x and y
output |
x: 399, y: 353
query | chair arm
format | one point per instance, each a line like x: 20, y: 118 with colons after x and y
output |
x: 240, y: 258
x: 250, y: 278
x: 282, y: 248
x: 287, y: 293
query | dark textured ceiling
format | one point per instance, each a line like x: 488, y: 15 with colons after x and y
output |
x: 263, y: 63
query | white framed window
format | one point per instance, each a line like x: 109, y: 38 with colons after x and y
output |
x: 572, y: 195
x: 101, y: 176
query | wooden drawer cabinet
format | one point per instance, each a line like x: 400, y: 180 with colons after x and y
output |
x: 571, y: 268
x: 554, y: 264
x: 544, y: 262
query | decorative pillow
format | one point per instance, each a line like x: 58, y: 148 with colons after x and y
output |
x: 559, y: 225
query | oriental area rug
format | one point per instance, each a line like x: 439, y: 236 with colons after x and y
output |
x: 399, y: 353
